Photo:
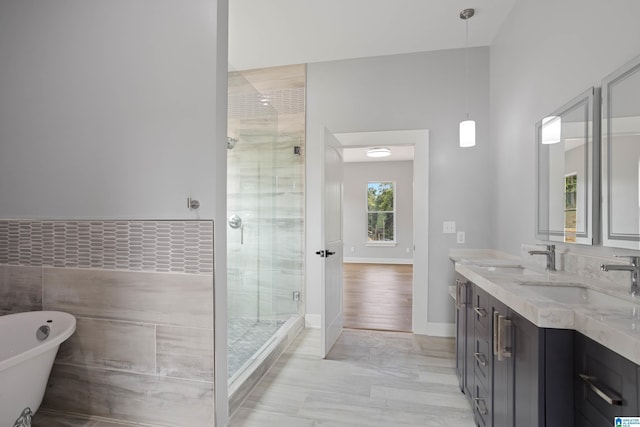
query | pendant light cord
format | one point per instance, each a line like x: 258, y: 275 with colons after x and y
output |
x: 466, y: 60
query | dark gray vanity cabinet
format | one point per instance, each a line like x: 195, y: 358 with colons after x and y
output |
x: 606, y: 384
x: 518, y: 374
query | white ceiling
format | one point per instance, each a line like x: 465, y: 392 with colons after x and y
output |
x: 266, y: 33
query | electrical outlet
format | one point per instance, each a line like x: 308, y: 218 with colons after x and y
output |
x: 449, y: 227
x: 460, y: 237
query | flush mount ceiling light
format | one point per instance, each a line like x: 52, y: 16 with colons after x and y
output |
x: 551, y: 129
x: 467, y: 127
x: 378, y: 152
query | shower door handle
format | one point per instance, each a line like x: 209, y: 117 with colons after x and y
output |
x: 242, y: 234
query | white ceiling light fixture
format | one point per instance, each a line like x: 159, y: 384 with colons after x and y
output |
x: 551, y: 130
x: 378, y: 152
x: 467, y: 127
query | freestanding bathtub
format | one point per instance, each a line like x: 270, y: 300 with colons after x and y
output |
x: 28, y: 346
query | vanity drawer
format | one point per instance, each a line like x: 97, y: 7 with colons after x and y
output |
x: 482, y: 361
x: 481, y: 311
x: 605, y: 383
x: 481, y: 405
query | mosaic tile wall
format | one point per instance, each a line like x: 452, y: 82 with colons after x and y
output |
x: 143, y: 296
x: 160, y: 246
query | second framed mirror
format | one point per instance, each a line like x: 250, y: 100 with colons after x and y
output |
x: 567, y: 148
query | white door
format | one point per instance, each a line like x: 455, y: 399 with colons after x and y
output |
x: 331, y: 251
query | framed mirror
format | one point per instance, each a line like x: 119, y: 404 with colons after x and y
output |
x: 567, y: 152
x: 621, y: 157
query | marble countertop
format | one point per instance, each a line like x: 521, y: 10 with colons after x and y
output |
x: 614, y: 323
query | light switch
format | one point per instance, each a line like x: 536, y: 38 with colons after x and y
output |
x: 461, y: 237
x: 449, y: 227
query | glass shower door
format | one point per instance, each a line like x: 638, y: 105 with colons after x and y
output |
x: 251, y: 207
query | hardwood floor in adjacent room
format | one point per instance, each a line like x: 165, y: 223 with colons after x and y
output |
x: 378, y: 296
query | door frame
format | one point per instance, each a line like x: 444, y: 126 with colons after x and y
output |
x: 313, y: 285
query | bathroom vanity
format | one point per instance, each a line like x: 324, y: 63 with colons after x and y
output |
x: 539, y: 350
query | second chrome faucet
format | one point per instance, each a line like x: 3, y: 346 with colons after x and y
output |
x: 633, y: 268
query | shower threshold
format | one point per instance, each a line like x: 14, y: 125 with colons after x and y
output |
x: 247, y: 375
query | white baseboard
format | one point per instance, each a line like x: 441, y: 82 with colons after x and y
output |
x: 377, y: 260
x: 312, y: 321
x: 441, y: 329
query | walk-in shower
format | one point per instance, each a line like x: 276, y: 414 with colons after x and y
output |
x: 264, y: 263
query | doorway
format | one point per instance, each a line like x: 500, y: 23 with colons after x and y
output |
x: 378, y: 270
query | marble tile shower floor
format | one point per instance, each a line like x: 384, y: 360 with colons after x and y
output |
x: 245, y: 337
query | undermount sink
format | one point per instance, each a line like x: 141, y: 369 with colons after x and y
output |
x: 575, y: 294
x: 510, y: 269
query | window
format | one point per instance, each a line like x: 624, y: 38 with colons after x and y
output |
x: 381, y: 212
x: 570, y: 191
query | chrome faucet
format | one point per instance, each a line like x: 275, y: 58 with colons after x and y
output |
x: 550, y: 254
x: 634, y: 268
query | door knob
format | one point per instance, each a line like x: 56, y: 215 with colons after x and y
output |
x: 321, y: 253
x: 329, y: 253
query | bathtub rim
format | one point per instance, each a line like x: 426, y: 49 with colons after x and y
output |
x: 44, y: 346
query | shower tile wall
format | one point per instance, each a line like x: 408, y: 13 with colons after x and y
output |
x: 142, y: 293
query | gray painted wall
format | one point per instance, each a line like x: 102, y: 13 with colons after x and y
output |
x: 534, y: 70
x: 357, y: 176
x: 414, y: 91
x: 107, y: 110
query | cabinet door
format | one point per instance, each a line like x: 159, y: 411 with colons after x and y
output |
x: 470, y: 339
x: 605, y: 383
x: 502, y: 372
x: 528, y: 372
x: 558, y: 378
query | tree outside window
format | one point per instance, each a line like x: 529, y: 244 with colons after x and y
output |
x: 381, y: 212
x: 570, y: 194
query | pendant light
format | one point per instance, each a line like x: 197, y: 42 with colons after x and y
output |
x: 467, y: 127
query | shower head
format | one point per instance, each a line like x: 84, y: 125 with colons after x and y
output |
x: 231, y: 142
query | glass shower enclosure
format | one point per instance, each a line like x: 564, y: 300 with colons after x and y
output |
x: 260, y: 288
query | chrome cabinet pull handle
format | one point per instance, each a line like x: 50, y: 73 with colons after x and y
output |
x: 476, y: 401
x: 495, y: 332
x: 503, y: 324
x: 480, y: 358
x: 480, y: 311
x: 460, y: 302
x: 611, y: 400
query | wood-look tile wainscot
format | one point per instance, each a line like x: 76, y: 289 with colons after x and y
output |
x: 143, y: 349
x: 165, y: 298
x: 20, y: 289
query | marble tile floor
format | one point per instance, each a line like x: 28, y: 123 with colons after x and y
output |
x: 50, y: 419
x: 245, y: 337
x: 370, y: 378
